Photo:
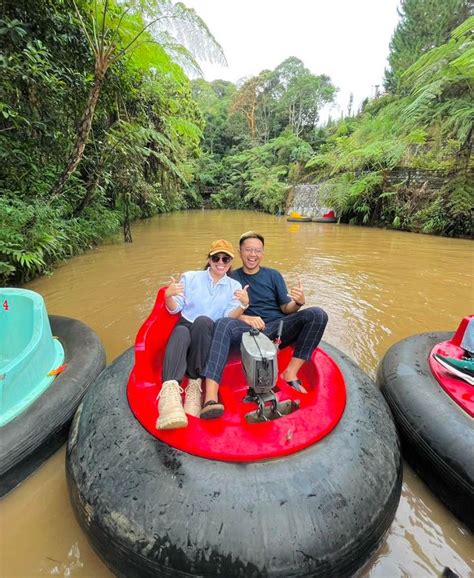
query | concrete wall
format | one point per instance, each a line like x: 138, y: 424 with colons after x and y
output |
x: 416, y: 178
x: 305, y: 198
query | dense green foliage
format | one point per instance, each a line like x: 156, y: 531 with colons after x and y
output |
x: 424, y: 123
x: 100, y: 125
x: 97, y: 122
x: 260, y: 177
x: 287, y: 98
x: 429, y: 128
x: 423, y: 25
x: 259, y: 135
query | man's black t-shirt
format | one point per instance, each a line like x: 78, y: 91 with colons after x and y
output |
x: 267, y: 291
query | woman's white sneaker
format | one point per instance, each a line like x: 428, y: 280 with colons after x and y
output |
x: 193, y: 398
x: 170, y: 406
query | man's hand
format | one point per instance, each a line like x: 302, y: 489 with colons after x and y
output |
x: 297, y: 294
x: 256, y: 322
x: 174, y: 288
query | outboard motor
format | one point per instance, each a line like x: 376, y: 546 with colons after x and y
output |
x: 259, y: 360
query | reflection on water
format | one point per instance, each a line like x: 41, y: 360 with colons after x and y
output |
x: 423, y: 539
x: 377, y: 287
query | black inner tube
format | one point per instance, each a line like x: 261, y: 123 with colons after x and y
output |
x: 42, y: 428
x: 437, y: 434
x: 152, y: 510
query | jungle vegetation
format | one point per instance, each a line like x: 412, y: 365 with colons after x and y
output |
x: 428, y: 125
x: 423, y: 121
x: 97, y: 122
x: 100, y: 124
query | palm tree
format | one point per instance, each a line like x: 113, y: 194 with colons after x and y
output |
x: 114, y: 30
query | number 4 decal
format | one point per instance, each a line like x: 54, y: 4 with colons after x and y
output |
x: 5, y: 305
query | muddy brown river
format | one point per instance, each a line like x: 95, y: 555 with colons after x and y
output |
x: 377, y: 286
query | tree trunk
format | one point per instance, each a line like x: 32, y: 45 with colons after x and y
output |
x: 90, y: 188
x: 127, y: 233
x: 465, y: 152
x: 82, y: 132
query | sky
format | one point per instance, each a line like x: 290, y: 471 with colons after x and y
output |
x: 346, y: 39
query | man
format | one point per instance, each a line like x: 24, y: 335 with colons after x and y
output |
x: 269, y: 302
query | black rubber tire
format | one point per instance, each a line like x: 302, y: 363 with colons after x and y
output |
x: 42, y: 428
x: 437, y: 435
x: 299, y: 220
x: 151, y: 510
x: 323, y: 220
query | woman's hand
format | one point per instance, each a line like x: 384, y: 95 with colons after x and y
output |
x: 242, y: 296
x: 174, y: 289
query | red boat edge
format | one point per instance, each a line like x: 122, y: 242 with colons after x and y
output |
x: 460, y: 391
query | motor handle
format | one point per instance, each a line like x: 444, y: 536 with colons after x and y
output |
x: 280, y: 331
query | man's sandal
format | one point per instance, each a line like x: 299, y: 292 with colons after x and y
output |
x: 211, y: 410
x: 296, y: 384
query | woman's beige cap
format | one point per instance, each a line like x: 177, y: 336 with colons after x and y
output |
x: 221, y: 246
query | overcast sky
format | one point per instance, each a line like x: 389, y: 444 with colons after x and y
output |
x: 346, y: 39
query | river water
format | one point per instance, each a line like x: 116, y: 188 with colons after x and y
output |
x: 377, y: 286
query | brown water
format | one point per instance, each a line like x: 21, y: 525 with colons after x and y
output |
x: 377, y: 287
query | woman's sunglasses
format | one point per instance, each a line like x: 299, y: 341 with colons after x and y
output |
x: 224, y: 258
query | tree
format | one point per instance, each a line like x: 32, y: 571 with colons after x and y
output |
x: 423, y: 25
x: 305, y: 96
x: 245, y: 102
x: 115, y: 30
x: 287, y: 97
x: 286, y: 73
x: 213, y: 100
x: 297, y: 97
x: 142, y: 146
x: 351, y: 102
x: 445, y: 76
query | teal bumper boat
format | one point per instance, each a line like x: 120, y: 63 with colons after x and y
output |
x: 46, y: 365
x: 30, y: 357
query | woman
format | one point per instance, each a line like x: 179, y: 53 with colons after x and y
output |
x: 201, y: 297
